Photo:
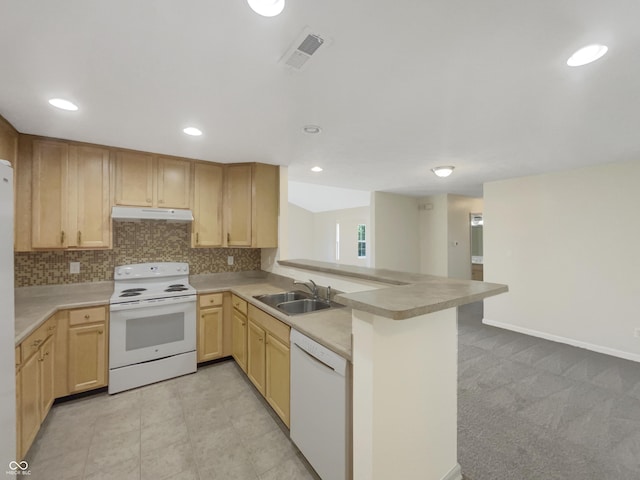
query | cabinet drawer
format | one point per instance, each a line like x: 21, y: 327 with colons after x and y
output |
x: 87, y: 315
x: 30, y: 345
x: 210, y: 300
x: 239, y: 304
x: 273, y: 325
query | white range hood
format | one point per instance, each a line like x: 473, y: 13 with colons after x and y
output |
x: 145, y: 213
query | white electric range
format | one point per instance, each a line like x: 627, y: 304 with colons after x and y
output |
x: 152, y: 325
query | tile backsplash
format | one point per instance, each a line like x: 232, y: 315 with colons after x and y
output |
x: 133, y: 242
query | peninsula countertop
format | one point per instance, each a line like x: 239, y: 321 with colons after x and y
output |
x: 34, y: 305
x: 410, y: 294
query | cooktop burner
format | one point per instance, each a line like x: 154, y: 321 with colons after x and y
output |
x: 153, y: 282
x: 176, y: 289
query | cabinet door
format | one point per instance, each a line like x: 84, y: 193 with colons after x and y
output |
x: 256, y: 356
x: 207, y: 206
x: 238, y: 207
x: 29, y: 402
x: 277, y: 377
x: 210, y: 334
x: 47, y: 376
x: 239, y: 339
x: 89, y: 197
x: 266, y: 197
x: 87, y: 357
x: 173, y: 182
x: 49, y: 185
x: 134, y: 179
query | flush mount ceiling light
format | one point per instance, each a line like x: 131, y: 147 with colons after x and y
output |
x: 193, y: 131
x: 587, y: 54
x: 267, y: 8
x: 316, y: 169
x: 312, y: 129
x: 443, y: 171
x: 63, y: 104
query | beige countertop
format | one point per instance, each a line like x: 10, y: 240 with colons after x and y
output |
x: 330, y: 328
x: 410, y: 295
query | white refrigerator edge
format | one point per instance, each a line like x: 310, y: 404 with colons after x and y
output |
x: 7, y: 320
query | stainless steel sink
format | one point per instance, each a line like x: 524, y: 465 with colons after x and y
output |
x: 273, y: 299
x: 303, y: 306
x: 295, y: 302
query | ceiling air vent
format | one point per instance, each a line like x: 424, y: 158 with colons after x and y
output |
x: 303, y: 48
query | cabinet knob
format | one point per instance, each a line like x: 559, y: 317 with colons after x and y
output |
x: 87, y: 316
x: 260, y: 339
x: 211, y: 300
x: 99, y: 332
x: 36, y: 343
x: 79, y: 237
x: 228, y: 237
x: 62, y: 237
x: 46, y: 354
x: 202, y: 316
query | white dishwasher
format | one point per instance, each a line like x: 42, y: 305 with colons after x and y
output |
x: 319, y: 406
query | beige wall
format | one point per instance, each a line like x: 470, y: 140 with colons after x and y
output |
x: 445, y: 234
x: 433, y: 235
x: 324, y: 226
x: 300, y: 233
x: 566, y: 244
x: 395, y: 239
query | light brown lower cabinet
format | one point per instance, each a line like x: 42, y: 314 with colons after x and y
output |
x: 239, y: 327
x: 256, y: 350
x: 74, y: 340
x: 35, y: 383
x: 268, y: 360
x: 210, y: 327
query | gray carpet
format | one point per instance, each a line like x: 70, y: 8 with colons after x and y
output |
x: 531, y: 409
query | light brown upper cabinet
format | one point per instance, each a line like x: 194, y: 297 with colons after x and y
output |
x: 207, y: 205
x: 49, y: 192
x: 70, y: 196
x: 89, y: 197
x: 146, y: 180
x: 251, y: 205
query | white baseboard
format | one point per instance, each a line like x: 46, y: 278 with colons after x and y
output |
x: 454, y: 474
x: 569, y: 341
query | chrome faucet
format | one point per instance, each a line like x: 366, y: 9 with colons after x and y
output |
x: 329, y: 293
x: 311, y: 285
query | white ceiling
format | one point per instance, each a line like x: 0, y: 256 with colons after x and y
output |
x: 405, y: 85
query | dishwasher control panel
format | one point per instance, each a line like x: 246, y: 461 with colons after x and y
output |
x: 320, y: 352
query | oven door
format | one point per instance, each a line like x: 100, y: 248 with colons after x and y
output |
x: 153, y: 329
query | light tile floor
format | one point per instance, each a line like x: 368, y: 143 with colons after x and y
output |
x: 208, y: 425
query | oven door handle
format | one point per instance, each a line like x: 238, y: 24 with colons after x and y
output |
x: 117, y: 307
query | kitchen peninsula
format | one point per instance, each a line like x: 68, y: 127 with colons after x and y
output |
x: 404, y: 356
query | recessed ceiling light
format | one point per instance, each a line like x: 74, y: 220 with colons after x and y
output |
x: 587, y: 54
x: 267, y: 8
x: 312, y: 129
x: 193, y: 131
x: 63, y: 104
x: 443, y: 171
x: 316, y: 169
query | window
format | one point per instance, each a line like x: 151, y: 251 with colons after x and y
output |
x: 362, y: 241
